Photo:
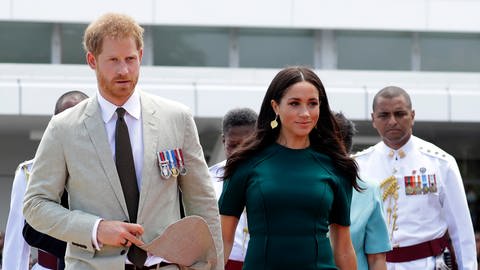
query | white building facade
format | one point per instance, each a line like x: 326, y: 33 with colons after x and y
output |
x: 215, y: 55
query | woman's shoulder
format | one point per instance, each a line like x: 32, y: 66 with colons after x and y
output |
x: 321, y: 158
x: 244, y: 167
x: 254, y: 158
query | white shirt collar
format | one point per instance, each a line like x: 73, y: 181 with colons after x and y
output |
x: 132, y: 106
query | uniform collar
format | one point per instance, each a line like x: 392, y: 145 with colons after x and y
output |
x: 132, y: 106
x: 399, y: 153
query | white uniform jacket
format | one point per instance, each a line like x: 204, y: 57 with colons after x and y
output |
x: 423, y: 196
x: 16, y: 252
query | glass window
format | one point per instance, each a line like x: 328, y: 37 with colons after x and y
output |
x: 72, y: 48
x: 24, y: 42
x: 274, y: 48
x: 450, y: 52
x: 374, y: 50
x: 189, y: 46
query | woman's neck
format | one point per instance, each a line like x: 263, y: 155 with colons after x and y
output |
x: 294, y: 143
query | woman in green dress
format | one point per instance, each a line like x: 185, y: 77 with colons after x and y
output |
x: 295, y: 179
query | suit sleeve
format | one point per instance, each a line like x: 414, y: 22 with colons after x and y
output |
x: 16, y: 252
x: 42, y: 208
x: 197, y: 189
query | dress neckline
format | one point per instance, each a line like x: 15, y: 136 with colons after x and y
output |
x: 277, y: 145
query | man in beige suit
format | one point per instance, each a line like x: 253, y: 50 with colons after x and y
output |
x: 79, y: 152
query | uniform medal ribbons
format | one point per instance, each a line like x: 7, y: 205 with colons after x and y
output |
x: 421, y: 183
x: 418, y: 185
x: 425, y: 188
x: 171, y: 163
x: 409, y: 190
x: 432, y: 182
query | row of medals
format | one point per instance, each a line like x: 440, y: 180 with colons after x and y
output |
x: 171, y: 163
x: 414, y: 183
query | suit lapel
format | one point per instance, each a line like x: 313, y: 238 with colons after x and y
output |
x: 96, y: 130
x: 150, y: 138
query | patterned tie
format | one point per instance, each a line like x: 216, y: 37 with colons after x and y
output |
x: 128, y: 179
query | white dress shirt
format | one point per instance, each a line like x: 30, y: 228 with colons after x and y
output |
x: 133, y: 119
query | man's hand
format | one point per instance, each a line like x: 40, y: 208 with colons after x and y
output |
x: 117, y: 233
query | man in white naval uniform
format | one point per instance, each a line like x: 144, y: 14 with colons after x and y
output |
x: 422, y: 189
x: 16, y: 253
x: 237, y: 124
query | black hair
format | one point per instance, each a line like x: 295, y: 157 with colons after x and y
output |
x: 391, y: 92
x: 325, y: 138
x: 238, y: 117
x: 347, y: 130
x: 67, y: 97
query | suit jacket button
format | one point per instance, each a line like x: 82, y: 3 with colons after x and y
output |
x: 123, y: 252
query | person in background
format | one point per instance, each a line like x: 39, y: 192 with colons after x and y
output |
x: 368, y: 230
x: 422, y: 191
x: 17, y: 250
x: 295, y: 179
x: 2, y: 240
x: 237, y: 125
x: 122, y: 156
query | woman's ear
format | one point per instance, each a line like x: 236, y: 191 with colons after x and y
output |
x: 274, y: 106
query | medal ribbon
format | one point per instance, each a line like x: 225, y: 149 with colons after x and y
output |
x: 177, y: 158
x: 162, y: 157
x: 171, y: 159
x: 424, y: 183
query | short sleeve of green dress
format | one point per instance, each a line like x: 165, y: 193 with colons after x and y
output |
x: 291, y: 196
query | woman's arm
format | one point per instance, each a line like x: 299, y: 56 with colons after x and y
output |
x: 343, y: 251
x: 377, y: 261
x: 229, y: 225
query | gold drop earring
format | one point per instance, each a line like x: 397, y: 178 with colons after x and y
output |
x: 274, y: 122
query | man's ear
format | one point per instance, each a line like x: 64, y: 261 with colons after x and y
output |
x: 92, y: 62
x: 413, y: 117
x: 373, y: 122
x: 140, y: 54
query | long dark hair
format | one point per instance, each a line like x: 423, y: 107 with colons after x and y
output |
x: 325, y: 138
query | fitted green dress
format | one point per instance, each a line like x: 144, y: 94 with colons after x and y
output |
x: 291, y: 196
